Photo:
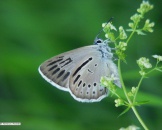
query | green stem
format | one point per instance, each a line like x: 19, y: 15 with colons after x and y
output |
x: 151, y: 71
x: 130, y: 102
x: 122, y: 82
x: 130, y: 36
x: 135, y: 95
x: 156, y: 66
x: 139, y: 118
x: 134, y: 99
x: 160, y: 67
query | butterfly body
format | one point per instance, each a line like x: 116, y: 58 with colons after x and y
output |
x: 79, y: 71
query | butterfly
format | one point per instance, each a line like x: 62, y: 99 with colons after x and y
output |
x: 79, y: 71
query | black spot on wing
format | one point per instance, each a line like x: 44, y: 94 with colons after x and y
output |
x: 76, y: 79
x: 66, y: 62
x: 53, y: 67
x: 53, y: 62
x: 55, y: 71
x: 61, y: 73
x: 66, y: 76
x: 80, y: 82
x: 90, y: 71
x: 82, y: 65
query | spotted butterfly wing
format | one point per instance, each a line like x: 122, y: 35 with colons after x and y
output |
x: 79, y: 72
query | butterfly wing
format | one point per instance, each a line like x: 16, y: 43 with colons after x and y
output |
x: 79, y: 72
x: 57, y: 70
x: 85, y: 80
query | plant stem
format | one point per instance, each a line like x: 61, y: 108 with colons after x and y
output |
x: 130, y: 102
x: 130, y: 37
x: 122, y: 83
x: 135, y: 95
x: 139, y: 118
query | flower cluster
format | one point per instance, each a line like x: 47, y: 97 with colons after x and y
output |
x: 122, y: 34
x: 119, y: 102
x: 159, y: 58
x: 108, y: 81
x: 143, y: 63
x: 132, y: 92
x: 148, y: 26
x: 107, y: 28
x: 137, y: 17
x: 122, y: 46
x: 144, y: 7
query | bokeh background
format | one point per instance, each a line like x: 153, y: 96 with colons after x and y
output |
x: 32, y: 31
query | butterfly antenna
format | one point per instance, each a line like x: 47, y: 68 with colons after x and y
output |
x: 104, y: 27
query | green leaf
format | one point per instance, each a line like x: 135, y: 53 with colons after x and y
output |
x: 126, y: 110
x: 129, y: 30
x: 139, y: 32
x: 141, y: 103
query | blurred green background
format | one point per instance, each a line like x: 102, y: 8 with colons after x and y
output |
x: 34, y: 30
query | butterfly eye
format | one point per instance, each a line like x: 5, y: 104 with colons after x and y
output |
x: 98, y: 41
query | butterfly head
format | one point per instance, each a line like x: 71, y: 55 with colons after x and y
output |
x: 98, y: 41
x: 103, y: 47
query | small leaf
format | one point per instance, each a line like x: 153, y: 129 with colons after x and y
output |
x: 141, y: 103
x: 139, y: 32
x: 126, y: 110
x: 129, y: 30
